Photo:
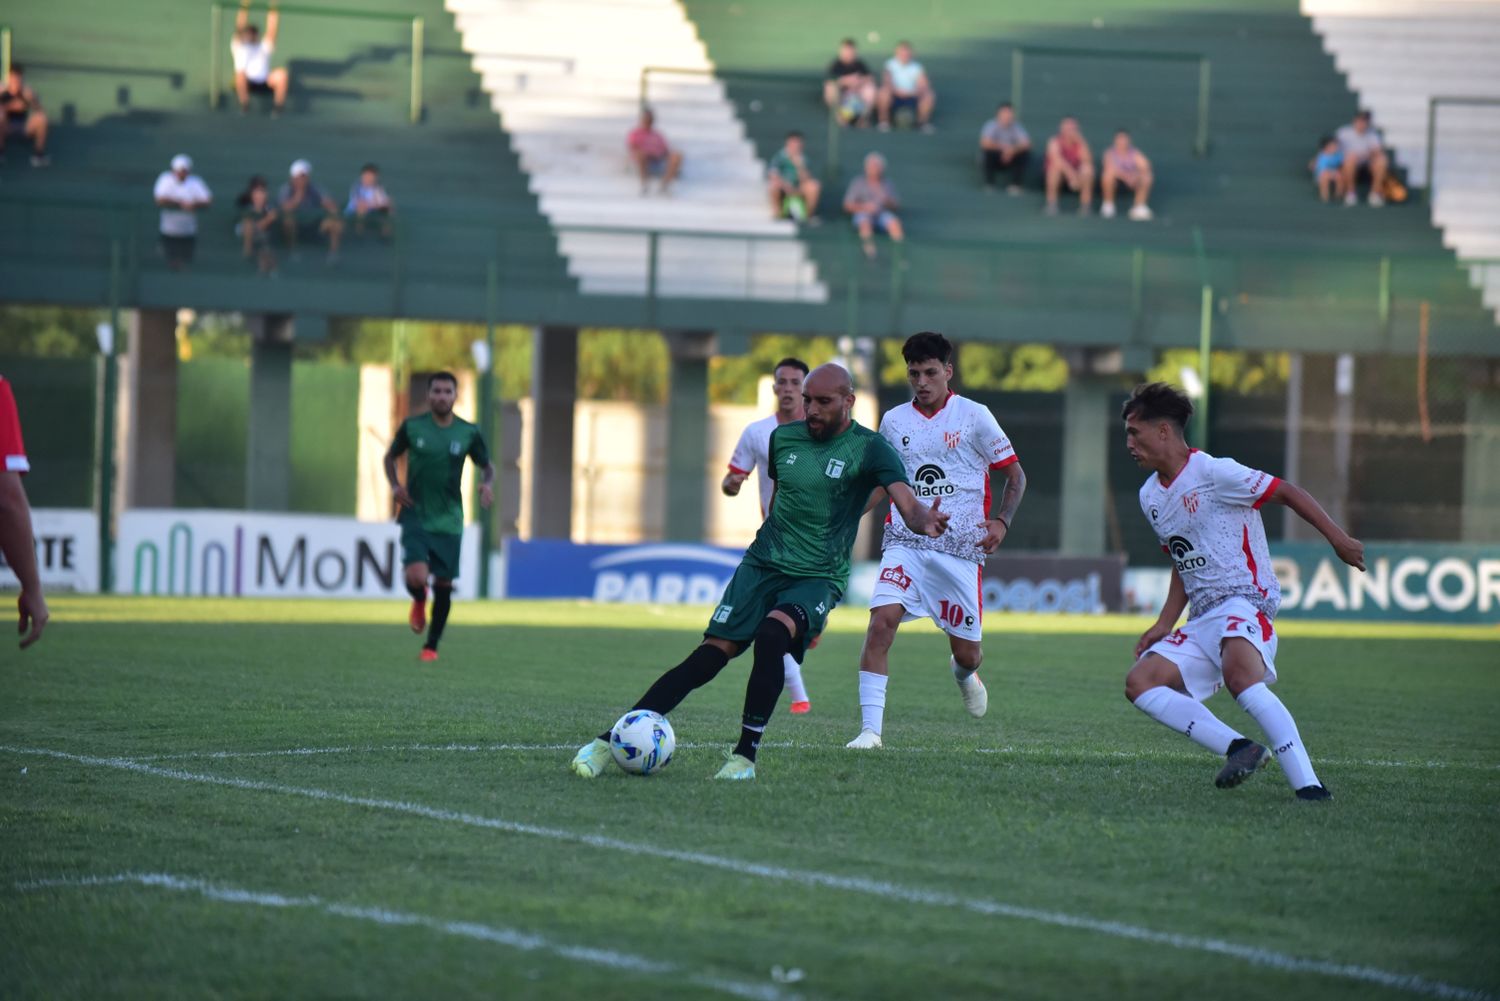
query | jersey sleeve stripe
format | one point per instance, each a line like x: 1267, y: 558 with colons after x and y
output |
x: 1270, y: 489
x: 738, y: 471
x: 17, y: 464
x: 1005, y: 462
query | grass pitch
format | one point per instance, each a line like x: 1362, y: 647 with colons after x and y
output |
x: 275, y: 799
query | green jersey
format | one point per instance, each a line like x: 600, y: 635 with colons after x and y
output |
x: 821, y: 491
x: 435, y: 467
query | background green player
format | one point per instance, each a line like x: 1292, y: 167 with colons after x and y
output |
x: 432, y: 503
x: 825, y: 469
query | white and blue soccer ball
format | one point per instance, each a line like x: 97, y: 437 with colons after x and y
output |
x: 642, y: 742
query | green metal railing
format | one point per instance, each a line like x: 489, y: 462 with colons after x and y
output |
x: 1432, y: 113
x: 1205, y: 70
x: 217, y: 41
x: 7, y: 38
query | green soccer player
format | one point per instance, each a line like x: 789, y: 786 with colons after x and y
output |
x: 432, y: 504
x: 825, y: 469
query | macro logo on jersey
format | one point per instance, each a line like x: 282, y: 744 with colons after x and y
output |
x: 896, y: 575
x: 1183, y: 556
x: 931, y: 481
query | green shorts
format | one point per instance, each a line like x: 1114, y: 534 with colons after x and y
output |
x: 439, y: 550
x: 754, y: 590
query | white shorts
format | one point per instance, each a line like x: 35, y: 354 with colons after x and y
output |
x: 1196, y: 647
x: 933, y: 585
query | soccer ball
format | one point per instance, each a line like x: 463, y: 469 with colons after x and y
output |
x: 642, y: 742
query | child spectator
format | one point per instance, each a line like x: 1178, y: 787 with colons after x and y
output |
x: 651, y: 154
x: 368, y: 199
x: 1071, y: 162
x: 906, y: 87
x: 1364, y: 155
x: 257, y: 216
x: 794, y: 191
x: 1128, y: 166
x: 1328, y: 169
x: 850, y: 87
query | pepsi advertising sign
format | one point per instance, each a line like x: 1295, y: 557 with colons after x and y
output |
x: 662, y: 573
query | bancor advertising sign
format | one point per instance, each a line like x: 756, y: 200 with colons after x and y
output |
x: 253, y: 554
x: 665, y: 573
x: 1429, y: 582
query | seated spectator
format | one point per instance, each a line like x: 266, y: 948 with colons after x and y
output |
x: 252, y: 61
x: 1364, y: 155
x: 794, y: 190
x: 1005, y: 148
x: 905, y: 87
x: 1069, y: 161
x: 181, y: 195
x: 872, y: 202
x: 24, y: 118
x: 1328, y: 169
x: 850, y: 87
x: 257, y: 215
x: 651, y: 154
x: 307, y: 212
x: 1124, y: 164
x: 368, y: 200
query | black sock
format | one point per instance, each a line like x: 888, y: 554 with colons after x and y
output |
x: 418, y: 592
x: 767, y: 676
x: 700, y: 667
x: 442, y: 600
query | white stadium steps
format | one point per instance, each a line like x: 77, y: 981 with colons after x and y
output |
x: 565, y: 78
x: 1397, y: 55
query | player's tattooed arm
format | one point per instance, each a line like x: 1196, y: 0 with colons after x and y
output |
x: 998, y: 524
x: 1171, y: 611
x: 1348, y: 548
x: 920, y: 518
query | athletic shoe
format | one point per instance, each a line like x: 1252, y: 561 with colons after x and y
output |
x: 1051, y: 208
x: 1314, y: 793
x: 591, y: 759
x: 801, y: 708
x: 1014, y: 190
x: 418, y: 617
x: 1141, y: 213
x: 868, y: 740
x: 976, y: 698
x: 1375, y: 200
x: 737, y: 768
x: 428, y: 655
x: 1350, y: 199
x: 1107, y: 210
x: 1245, y: 757
x: 42, y: 160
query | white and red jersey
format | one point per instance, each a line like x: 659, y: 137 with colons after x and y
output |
x: 1207, y: 518
x: 12, y: 449
x: 752, y: 453
x: 948, y: 455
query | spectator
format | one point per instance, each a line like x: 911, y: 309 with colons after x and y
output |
x: 850, y: 88
x: 872, y: 202
x: 651, y: 154
x: 17, y: 544
x: 252, y: 60
x: 1124, y: 164
x: 257, y: 216
x: 368, y: 199
x: 181, y: 195
x: 1005, y: 148
x: 306, y: 211
x: 794, y: 190
x: 1364, y: 155
x: 1069, y: 161
x: 905, y: 86
x: 1328, y: 169
x: 24, y: 117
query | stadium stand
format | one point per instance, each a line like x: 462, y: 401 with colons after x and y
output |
x: 1401, y: 54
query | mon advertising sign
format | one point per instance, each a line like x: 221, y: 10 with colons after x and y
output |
x: 655, y: 573
x: 67, y: 550
x: 252, y: 554
x: 1430, y: 582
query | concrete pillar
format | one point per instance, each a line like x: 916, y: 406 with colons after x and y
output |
x: 554, y: 390
x: 1481, y: 510
x: 1087, y: 428
x: 268, y: 451
x: 148, y: 410
x: 1322, y: 422
x: 687, y: 435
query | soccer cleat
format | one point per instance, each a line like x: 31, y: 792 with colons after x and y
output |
x: 868, y: 740
x: 976, y: 698
x: 737, y: 768
x: 418, y: 617
x: 1245, y: 757
x: 800, y: 708
x: 1314, y: 793
x: 591, y: 759
x: 428, y: 655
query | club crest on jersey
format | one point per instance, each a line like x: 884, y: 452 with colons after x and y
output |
x: 930, y: 481
x: 421, y: 442
x: 952, y: 438
x: 896, y: 575
x: 455, y: 448
x: 1190, y: 501
x: 835, y: 468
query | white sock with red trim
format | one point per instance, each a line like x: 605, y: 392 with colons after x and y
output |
x: 793, y: 674
x: 1266, y: 709
x: 1186, y: 716
x: 872, y: 700
x: 960, y: 673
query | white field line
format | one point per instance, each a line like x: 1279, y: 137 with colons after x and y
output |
x: 1254, y: 955
x: 525, y: 941
x: 1040, y: 753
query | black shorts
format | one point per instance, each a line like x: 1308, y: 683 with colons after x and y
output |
x: 178, y: 249
x: 259, y: 88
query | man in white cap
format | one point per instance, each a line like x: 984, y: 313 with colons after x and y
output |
x: 307, y: 211
x: 181, y: 195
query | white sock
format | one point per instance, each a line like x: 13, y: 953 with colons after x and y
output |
x: 872, y: 700
x: 962, y: 674
x: 1187, y: 716
x: 793, y: 673
x: 1266, y: 709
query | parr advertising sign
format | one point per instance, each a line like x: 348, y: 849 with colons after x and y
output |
x: 67, y: 550
x: 655, y: 573
x: 251, y: 554
x: 1430, y: 582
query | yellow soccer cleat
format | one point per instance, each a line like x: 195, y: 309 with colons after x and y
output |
x: 737, y: 768
x: 591, y: 759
